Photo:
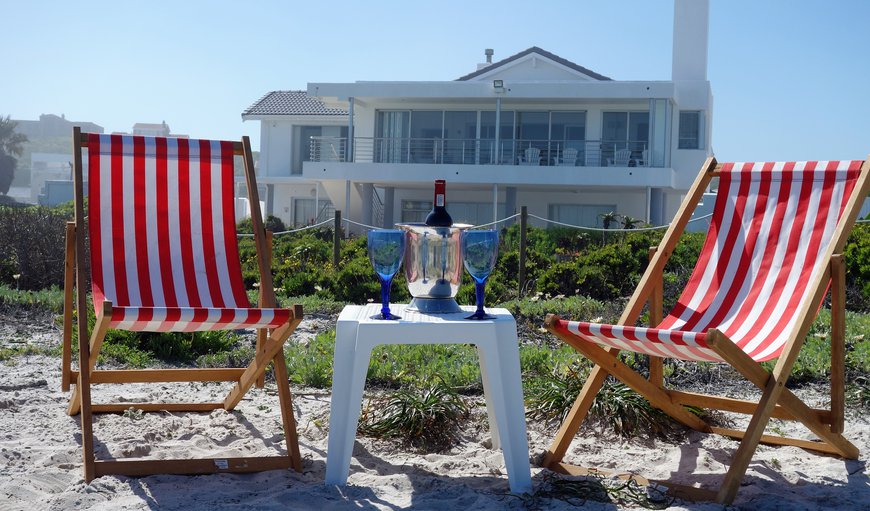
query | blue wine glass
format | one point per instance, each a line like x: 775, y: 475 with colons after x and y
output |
x: 386, y: 249
x: 479, y: 251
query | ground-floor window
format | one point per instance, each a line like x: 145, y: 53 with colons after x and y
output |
x: 474, y: 213
x: 306, y: 212
x: 585, y: 215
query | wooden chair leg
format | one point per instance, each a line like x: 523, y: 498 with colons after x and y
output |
x: 68, y: 288
x: 286, y: 400
x: 82, y: 399
x: 93, y: 351
x: 656, y: 306
x: 262, y: 337
x: 574, y: 419
x: 838, y: 343
x: 263, y: 333
x: 272, y: 346
x: 774, y: 392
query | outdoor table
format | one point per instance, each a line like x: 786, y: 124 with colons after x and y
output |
x: 357, y: 333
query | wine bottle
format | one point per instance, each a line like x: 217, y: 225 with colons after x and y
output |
x: 439, y: 217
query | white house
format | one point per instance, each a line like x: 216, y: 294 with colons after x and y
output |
x: 532, y: 129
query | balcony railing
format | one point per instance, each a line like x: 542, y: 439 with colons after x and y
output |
x: 570, y: 153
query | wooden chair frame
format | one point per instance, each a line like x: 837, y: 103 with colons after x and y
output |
x: 269, y: 349
x: 776, y: 401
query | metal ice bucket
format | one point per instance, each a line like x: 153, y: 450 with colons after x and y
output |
x: 433, y: 266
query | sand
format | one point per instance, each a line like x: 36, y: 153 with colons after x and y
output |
x: 41, y: 468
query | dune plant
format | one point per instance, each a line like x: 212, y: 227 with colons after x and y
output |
x: 428, y: 416
x: 616, y: 407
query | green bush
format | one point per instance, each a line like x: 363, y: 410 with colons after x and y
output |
x: 857, y: 256
x: 32, y: 247
x: 426, y: 416
x: 272, y: 223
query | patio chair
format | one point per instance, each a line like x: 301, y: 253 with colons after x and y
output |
x: 620, y: 158
x: 531, y: 156
x: 164, y: 258
x: 772, y: 249
x: 568, y: 159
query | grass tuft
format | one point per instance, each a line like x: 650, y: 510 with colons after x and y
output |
x: 428, y: 417
x: 616, y: 407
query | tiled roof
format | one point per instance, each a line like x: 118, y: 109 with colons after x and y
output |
x: 291, y: 102
x: 539, y: 51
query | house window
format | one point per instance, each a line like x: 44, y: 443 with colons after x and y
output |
x: 625, y: 130
x: 691, y: 130
x: 474, y: 213
x: 306, y: 212
x: 583, y: 215
x: 415, y: 211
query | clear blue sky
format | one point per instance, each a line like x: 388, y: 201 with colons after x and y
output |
x: 789, y: 77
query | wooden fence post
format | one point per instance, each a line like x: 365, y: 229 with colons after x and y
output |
x: 524, y: 219
x: 336, y: 239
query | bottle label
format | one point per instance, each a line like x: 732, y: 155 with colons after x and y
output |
x: 439, y: 200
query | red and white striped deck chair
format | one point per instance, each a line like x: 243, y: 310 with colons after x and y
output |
x: 772, y: 249
x: 164, y: 258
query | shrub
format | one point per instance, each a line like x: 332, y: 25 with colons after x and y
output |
x: 427, y: 417
x: 616, y: 407
x: 857, y: 256
x: 272, y: 223
x: 32, y: 247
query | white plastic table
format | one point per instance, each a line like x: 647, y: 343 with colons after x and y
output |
x: 357, y: 333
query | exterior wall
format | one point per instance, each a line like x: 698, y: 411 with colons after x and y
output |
x: 276, y: 148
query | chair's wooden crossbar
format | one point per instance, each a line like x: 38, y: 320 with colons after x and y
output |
x: 163, y: 375
x: 156, y: 407
x: 756, y: 374
x: 270, y: 346
x: 745, y: 407
x: 811, y: 445
x: 135, y: 468
x: 82, y: 139
x: 776, y: 400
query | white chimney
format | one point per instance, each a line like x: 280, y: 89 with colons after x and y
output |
x: 691, y: 26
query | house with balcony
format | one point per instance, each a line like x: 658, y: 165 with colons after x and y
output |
x: 532, y: 129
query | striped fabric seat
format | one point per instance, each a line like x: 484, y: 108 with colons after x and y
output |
x: 163, y: 236
x: 771, y: 225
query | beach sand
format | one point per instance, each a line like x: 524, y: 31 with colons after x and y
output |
x: 41, y: 467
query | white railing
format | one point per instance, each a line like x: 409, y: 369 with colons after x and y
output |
x: 562, y: 153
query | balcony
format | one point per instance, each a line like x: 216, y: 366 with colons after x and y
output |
x: 436, y: 151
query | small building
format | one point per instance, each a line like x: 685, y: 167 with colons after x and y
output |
x: 53, y: 126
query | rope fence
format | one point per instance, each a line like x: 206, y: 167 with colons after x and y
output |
x: 337, y: 221
x: 598, y: 229
x: 313, y: 226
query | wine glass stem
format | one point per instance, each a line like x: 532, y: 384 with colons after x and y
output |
x: 478, y: 295
x: 385, y: 297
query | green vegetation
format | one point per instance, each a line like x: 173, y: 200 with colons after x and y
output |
x: 427, y: 415
x: 11, y: 146
x: 571, y: 272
